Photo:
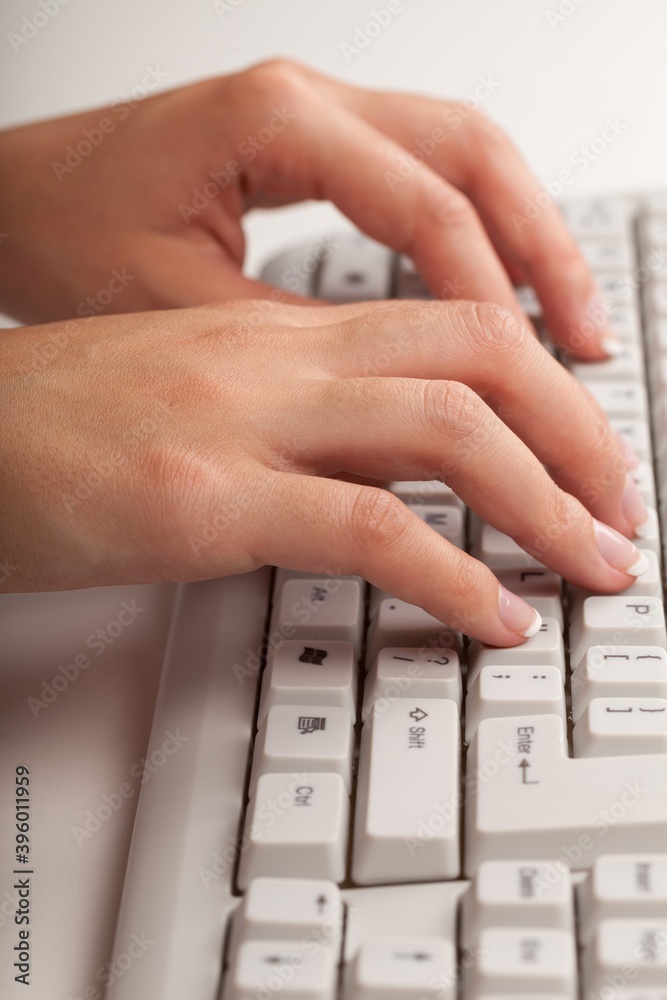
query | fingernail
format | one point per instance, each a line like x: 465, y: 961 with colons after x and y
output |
x: 633, y: 504
x: 644, y: 528
x: 516, y: 615
x: 611, y: 346
x: 619, y: 552
x: 629, y: 454
x: 597, y: 321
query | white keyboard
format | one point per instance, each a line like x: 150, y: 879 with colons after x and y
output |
x: 364, y: 805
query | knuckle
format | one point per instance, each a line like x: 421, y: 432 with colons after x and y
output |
x: 454, y: 409
x: 466, y: 583
x: 276, y: 80
x: 492, y: 328
x: 486, y: 131
x: 377, y: 520
x: 562, y: 518
x: 450, y: 207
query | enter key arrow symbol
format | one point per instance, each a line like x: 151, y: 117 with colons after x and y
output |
x: 524, y: 765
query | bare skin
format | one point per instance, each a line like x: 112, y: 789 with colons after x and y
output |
x: 196, y: 442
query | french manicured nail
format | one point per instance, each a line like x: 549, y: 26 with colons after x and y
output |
x: 516, y: 615
x: 619, y: 552
x: 633, y: 504
x: 611, y: 345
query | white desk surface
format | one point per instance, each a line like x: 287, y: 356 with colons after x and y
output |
x: 557, y: 83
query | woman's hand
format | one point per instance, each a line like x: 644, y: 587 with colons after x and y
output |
x: 120, y: 210
x: 203, y: 442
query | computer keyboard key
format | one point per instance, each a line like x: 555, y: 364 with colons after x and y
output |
x: 428, y: 491
x: 409, y: 282
x: 517, y: 894
x: 289, y: 909
x: 529, y: 301
x: 608, y: 254
x: 624, y: 887
x: 626, y: 366
x: 447, y: 521
x: 318, y: 608
x: 515, y: 690
x: 617, y: 621
x: 645, y: 480
x: 636, y: 433
x: 298, y: 673
x: 397, y: 623
x: 406, y: 672
x: 648, y: 584
x: 650, y: 537
x: 638, y: 945
x: 293, y: 970
x: 616, y: 727
x: 527, y: 799
x: 499, y: 551
x: 541, y: 588
x: 408, y: 796
x: 524, y: 961
x: 600, y: 217
x: 543, y: 649
x: 616, y: 287
x: 654, y: 229
x: 408, y: 968
x: 296, y: 267
x: 625, y: 321
x: 357, y: 269
x: 299, y: 737
x: 296, y: 826
x: 626, y: 400
x: 618, y: 672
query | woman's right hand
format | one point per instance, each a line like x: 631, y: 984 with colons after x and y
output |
x: 198, y: 443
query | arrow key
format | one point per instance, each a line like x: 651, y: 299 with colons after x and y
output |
x: 402, y: 969
x: 295, y: 969
x: 291, y: 909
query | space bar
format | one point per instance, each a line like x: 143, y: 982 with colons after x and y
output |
x: 182, y: 859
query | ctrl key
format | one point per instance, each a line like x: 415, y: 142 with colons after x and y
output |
x: 289, y: 969
x: 296, y: 827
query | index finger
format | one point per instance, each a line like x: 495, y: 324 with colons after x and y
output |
x: 527, y: 228
x: 329, y: 152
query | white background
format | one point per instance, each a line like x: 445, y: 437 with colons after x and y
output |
x: 557, y: 83
x: 559, y: 74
